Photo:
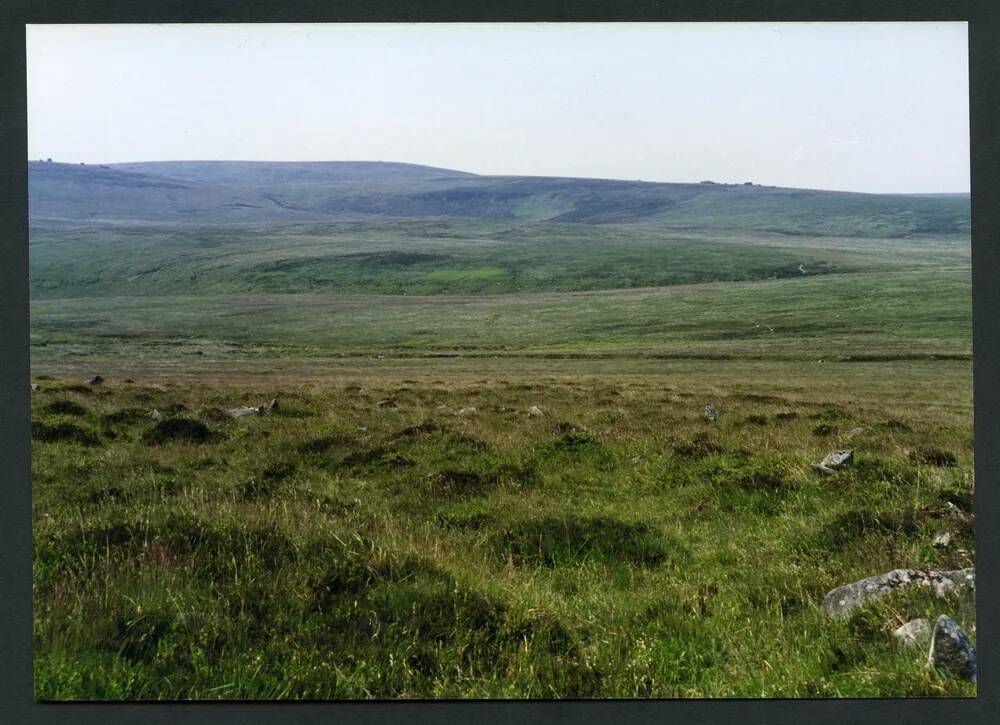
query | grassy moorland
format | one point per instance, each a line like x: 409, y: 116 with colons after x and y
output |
x: 616, y: 546
x: 365, y: 540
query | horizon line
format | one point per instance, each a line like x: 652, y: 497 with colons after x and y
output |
x: 475, y: 173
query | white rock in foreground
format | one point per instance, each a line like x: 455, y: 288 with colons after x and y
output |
x: 835, y: 461
x: 916, y: 631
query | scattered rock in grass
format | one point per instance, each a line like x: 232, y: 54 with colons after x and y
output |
x: 445, y: 410
x: 156, y: 415
x: 958, y: 515
x: 272, y: 406
x: 914, y: 632
x: 467, y: 411
x: 711, y: 412
x: 823, y: 430
x: 834, y: 462
x: 534, y: 411
x: 932, y: 457
x: 942, y: 541
x: 35, y: 386
x: 387, y: 404
x: 951, y: 650
x: 242, y: 411
x: 844, y: 600
x: 96, y: 380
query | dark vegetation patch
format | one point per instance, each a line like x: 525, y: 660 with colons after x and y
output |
x: 756, y: 398
x: 896, y: 425
x: 266, y: 485
x: 125, y: 416
x: 699, y: 446
x: 74, y: 388
x: 565, y: 428
x: 210, y: 546
x: 553, y: 541
x: 473, y: 521
x: 848, y: 527
x: 65, y: 432
x: 136, y: 636
x: 786, y: 415
x: 65, y: 407
x: 823, y: 430
x: 929, y: 456
x: 378, y: 457
x: 324, y: 443
x: 575, y: 442
x: 214, y: 415
x: 416, y: 431
x: 756, y: 419
x: 178, y: 429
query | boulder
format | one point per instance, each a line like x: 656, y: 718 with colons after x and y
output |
x: 96, y: 380
x: 534, y: 411
x: 843, y: 600
x: 834, y: 462
x: 951, y: 650
x: 916, y: 631
x: 711, y: 412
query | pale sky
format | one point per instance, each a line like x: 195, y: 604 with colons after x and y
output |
x: 879, y: 107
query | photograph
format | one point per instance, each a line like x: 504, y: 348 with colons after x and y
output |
x: 500, y: 361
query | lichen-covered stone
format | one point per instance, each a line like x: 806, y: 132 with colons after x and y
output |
x: 951, y: 650
x: 843, y: 600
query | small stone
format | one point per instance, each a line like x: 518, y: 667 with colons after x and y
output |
x: 711, y: 412
x: 942, y: 541
x: 156, y: 415
x: 534, y: 411
x: 834, y: 462
x: 242, y: 411
x: 467, y: 411
x: 387, y: 403
x: 916, y: 631
x: 951, y: 650
x: 34, y: 386
x: 96, y: 380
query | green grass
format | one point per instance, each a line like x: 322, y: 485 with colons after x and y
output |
x: 336, y: 549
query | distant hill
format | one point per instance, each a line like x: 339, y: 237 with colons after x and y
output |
x: 212, y: 192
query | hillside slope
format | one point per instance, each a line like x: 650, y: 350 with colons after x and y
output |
x: 206, y: 192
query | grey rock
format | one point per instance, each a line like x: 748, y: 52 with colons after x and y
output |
x: 942, y: 541
x: 96, y: 380
x: 242, y: 411
x: 843, y: 600
x: 156, y: 415
x: 34, y: 386
x: 272, y: 406
x: 834, y: 462
x: 467, y: 411
x: 951, y: 650
x: 711, y: 412
x: 534, y: 411
x: 916, y: 631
